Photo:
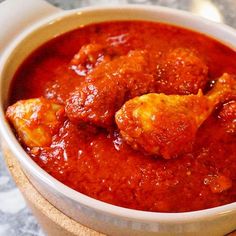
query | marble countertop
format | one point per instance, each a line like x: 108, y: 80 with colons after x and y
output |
x: 15, y: 218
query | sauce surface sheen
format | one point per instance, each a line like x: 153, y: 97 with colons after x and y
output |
x: 97, y: 162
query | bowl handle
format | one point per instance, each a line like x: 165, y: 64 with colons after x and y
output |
x: 17, y: 15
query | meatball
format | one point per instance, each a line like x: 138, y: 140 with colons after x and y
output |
x: 107, y: 87
x: 181, y: 71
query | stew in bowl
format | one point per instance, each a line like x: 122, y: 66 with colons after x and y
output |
x: 133, y: 113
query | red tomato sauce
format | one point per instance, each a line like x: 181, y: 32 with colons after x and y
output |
x: 97, y: 162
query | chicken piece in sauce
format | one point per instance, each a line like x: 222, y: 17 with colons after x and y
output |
x: 35, y: 120
x: 88, y: 57
x: 108, y: 86
x: 227, y: 116
x: 181, y: 71
x: 166, y: 125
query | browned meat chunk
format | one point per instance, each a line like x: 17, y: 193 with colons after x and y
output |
x: 166, y: 125
x: 108, y: 86
x: 88, y: 57
x: 36, y: 120
x: 181, y: 71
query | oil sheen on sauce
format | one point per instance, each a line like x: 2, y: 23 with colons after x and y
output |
x: 97, y: 162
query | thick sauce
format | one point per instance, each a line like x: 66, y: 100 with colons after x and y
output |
x: 97, y: 162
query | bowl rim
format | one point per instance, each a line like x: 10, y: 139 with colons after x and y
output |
x: 34, y: 169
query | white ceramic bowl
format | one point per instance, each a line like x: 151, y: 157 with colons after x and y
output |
x: 39, y: 22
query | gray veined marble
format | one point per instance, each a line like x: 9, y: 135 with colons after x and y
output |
x: 15, y: 218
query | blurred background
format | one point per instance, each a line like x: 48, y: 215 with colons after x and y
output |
x: 15, y: 218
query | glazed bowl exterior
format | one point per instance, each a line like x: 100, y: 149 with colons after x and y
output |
x: 40, y: 22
